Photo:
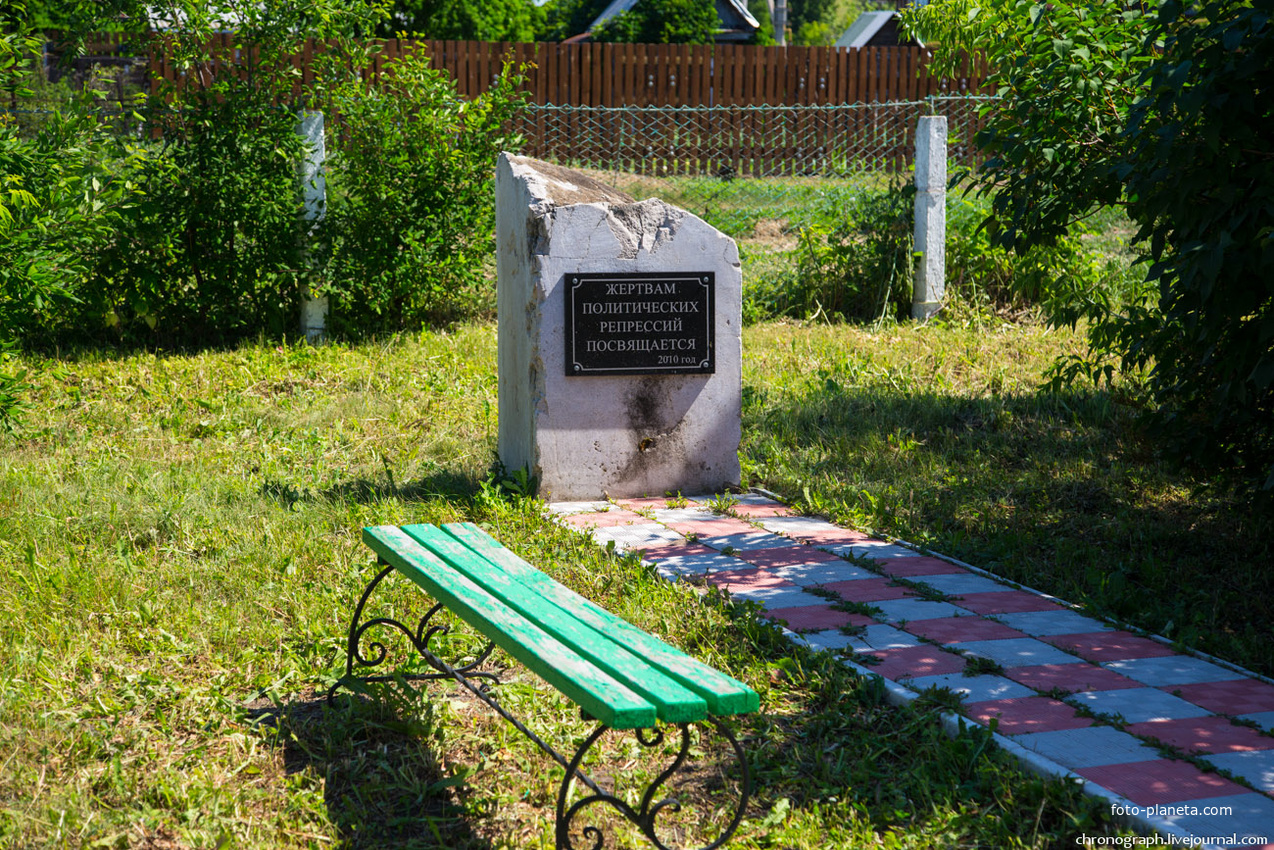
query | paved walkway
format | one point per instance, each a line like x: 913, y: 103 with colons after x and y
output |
x: 924, y: 620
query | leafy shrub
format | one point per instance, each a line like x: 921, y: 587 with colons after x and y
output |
x: 410, y: 215
x: 1054, y: 278
x: 1200, y: 181
x: 212, y: 250
x: 857, y: 269
x: 861, y: 268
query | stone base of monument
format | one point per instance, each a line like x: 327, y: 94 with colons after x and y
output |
x: 619, y: 339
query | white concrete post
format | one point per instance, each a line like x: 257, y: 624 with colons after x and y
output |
x: 931, y: 216
x: 314, y: 187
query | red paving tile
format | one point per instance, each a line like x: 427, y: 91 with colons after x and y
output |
x: 869, y: 590
x: 762, y: 511
x: 908, y: 567
x: 606, y: 519
x: 1109, y: 646
x: 648, y: 502
x: 911, y: 662
x: 1020, y: 715
x: 715, y: 527
x: 1239, y: 696
x: 1074, y: 678
x: 839, y: 537
x: 787, y: 556
x: 1163, y: 782
x: 735, y: 580
x: 1005, y: 602
x: 818, y: 618
x: 1203, y: 735
x: 957, y: 629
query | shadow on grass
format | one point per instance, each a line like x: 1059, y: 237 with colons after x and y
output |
x: 382, y: 784
x: 1062, y: 492
x: 444, y: 484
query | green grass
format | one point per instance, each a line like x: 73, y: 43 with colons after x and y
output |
x: 180, y: 547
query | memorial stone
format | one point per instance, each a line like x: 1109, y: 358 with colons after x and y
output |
x: 619, y: 339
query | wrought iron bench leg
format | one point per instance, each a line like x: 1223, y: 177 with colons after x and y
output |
x: 418, y: 638
x: 644, y: 817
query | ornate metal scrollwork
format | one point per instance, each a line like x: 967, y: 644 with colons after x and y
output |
x: 418, y: 637
x: 644, y: 817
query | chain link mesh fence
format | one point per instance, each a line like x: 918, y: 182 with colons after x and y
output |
x: 736, y: 165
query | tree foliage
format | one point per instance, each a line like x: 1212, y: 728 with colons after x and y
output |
x: 1166, y: 109
x: 662, y: 22
x: 490, y: 20
x: 412, y: 214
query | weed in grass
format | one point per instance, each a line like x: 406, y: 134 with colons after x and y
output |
x: 941, y: 697
x: 980, y: 665
x: 923, y: 591
x: 723, y: 503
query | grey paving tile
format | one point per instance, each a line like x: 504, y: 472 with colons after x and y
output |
x: 565, y: 508
x: 959, y: 584
x: 808, y: 575
x: 882, y: 637
x: 775, y: 598
x: 1256, y: 766
x: 745, y: 499
x: 879, y: 550
x: 697, y: 565
x: 1016, y: 652
x: 1264, y: 719
x: 798, y: 525
x: 644, y: 536
x: 1091, y: 746
x: 681, y: 514
x: 901, y: 610
x: 1137, y: 705
x: 1251, y: 816
x: 1063, y: 622
x: 973, y: 688
x: 750, y: 540
x: 1171, y: 670
x: 831, y: 639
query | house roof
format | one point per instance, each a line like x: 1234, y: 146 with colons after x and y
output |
x: 860, y: 32
x: 734, y: 15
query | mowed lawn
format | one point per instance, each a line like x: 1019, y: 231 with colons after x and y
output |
x: 179, y: 538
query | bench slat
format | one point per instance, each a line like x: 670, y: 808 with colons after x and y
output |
x: 595, y: 691
x: 724, y: 694
x: 674, y: 702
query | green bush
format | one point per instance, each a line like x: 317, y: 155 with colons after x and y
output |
x: 212, y: 249
x: 856, y: 269
x: 860, y: 268
x: 410, y: 217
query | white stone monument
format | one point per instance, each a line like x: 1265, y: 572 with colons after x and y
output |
x: 619, y: 339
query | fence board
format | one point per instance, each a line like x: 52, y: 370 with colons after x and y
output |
x: 641, y: 75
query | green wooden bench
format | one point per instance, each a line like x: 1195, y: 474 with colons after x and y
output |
x: 616, y: 673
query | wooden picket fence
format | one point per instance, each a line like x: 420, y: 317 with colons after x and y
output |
x: 663, y: 74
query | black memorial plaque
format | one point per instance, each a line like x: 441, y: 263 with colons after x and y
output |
x: 640, y: 324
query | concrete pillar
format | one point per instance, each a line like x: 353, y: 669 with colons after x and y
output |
x: 314, y: 187
x: 931, y: 216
